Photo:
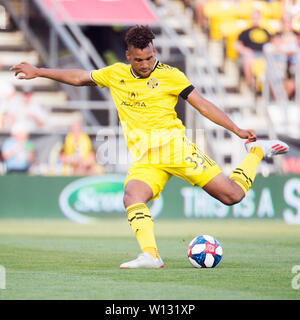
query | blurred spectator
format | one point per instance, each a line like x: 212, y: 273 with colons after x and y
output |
x: 18, y: 150
x: 78, y: 153
x: 36, y: 114
x: 249, y: 46
x: 283, y: 46
x: 289, y: 44
x: 298, y: 37
x: 274, y: 49
x: 198, y: 9
x: 157, y: 2
x: 24, y: 109
x: 291, y: 7
x: 8, y: 99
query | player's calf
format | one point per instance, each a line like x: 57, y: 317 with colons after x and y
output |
x: 232, y: 197
x: 224, y: 189
x: 136, y: 195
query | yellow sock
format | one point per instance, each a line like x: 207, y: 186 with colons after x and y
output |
x: 141, y: 222
x: 245, y: 173
x: 152, y: 251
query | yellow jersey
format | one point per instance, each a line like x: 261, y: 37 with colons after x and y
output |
x: 146, y: 106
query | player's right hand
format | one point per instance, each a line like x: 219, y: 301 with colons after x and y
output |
x: 247, y: 134
x: 25, y: 70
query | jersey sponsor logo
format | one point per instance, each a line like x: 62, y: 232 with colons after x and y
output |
x: 133, y: 104
x: 152, y: 83
x: 132, y: 95
x: 122, y: 82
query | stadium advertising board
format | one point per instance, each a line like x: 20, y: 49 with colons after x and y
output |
x: 272, y: 197
x: 85, y: 199
x: 88, y: 198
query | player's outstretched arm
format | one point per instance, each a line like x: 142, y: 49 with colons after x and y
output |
x: 73, y: 77
x: 213, y: 113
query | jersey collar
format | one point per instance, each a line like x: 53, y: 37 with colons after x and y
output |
x: 138, y: 77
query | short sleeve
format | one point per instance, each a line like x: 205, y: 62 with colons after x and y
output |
x: 101, y: 77
x: 180, y: 85
x: 243, y: 36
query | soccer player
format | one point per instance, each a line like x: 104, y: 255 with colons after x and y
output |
x: 145, y: 92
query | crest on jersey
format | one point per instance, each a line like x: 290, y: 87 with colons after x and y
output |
x: 152, y: 83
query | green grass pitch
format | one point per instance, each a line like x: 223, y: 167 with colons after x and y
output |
x: 52, y: 259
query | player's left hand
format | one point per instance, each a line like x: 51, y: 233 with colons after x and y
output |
x: 246, y: 134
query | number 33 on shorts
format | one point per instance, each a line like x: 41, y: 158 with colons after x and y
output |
x: 197, y: 168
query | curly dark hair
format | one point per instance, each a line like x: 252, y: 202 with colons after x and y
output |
x: 139, y: 37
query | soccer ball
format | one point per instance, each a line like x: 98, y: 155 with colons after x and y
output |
x: 205, y: 252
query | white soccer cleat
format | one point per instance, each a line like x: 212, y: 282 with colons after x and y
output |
x: 269, y: 147
x: 144, y: 260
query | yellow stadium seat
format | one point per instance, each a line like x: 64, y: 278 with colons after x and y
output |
x: 219, y: 12
x: 276, y: 9
x: 245, y: 9
x: 296, y: 24
x: 258, y: 70
x: 231, y: 31
x: 272, y: 26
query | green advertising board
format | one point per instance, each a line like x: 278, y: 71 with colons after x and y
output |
x: 272, y: 197
x: 85, y: 199
x: 90, y: 198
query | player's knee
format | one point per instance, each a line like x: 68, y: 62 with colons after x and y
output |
x: 131, y: 198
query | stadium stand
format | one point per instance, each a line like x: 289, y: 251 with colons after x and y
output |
x: 205, y: 52
x: 23, y: 41
x: 268, y: 108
